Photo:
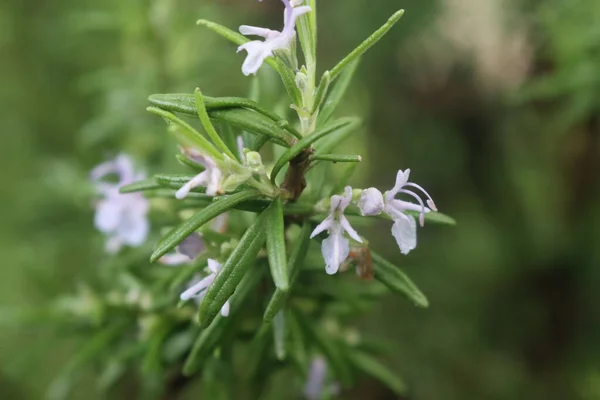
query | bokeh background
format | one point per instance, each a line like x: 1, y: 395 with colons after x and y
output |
x: 493, y: 104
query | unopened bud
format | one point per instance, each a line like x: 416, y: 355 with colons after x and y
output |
x: 371, y: 202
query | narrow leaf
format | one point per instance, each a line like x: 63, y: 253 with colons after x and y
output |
x: 307, y: 141
x: 232, y: 272
x: 254, y: 123
x: 208, y: 126
x: 392, y: 277
x: 295, y: 263
x: 329, y: 143
x: 186, y: 134
x: 276, y: 245
x: 146, y: 184
x: 176, y: 182
x: 185, y: 103
x: 321, y: 91
x: 336, y: 158
x: 373, y: 367
x: 337, y: 93
x: 183, y: 230
x: 288, y: 78
x: 189, y: 163
x: 366, y: 45
x: 279, y: 335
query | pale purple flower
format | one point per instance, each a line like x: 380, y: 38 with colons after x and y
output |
x: 186, y: 251
x: 336, y: 247
x: 210, y: 177
x: 198, y: 289
x: 258, y: 50
x: 123, y: 217
x: 405, y: 226
x: 317, y: 372
x: 371, y: 202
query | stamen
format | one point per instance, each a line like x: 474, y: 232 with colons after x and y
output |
x: 430, y: 202
x: 422, y: 216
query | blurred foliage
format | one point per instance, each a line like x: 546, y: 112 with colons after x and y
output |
x: 512, y: 153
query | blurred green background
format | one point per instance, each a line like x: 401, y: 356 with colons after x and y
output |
x: 493, y: 104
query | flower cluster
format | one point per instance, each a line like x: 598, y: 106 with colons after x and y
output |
x: 335, y: 248
x: 122, y: 217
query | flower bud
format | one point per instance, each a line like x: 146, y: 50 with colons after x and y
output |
x: 371, y: 202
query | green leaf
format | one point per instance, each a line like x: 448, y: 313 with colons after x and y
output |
x: 288, y: 78
x: 230, y: 139
x: 183, y: 230
x: 335, y: 138
x: 185, y: 103
x: 373, y: 367
x: 337, y: 93
x: 259, y: 142
x: 210, y: 337
x: 208, y: 126
x: 339, y: 125
x: 189, y: 163
x: 276, y: 245
x: 176, y: 181
x: 146, y: 184
x: 307, y: 35
x: 335, y: 158
x: 232, y: 272
x: 279, y: 335
x: 321, y: 91
x: 186, y: 134
x: 254, y: 123
x: 392, y: 277
x: 366, y: 45
x: 295, y: 262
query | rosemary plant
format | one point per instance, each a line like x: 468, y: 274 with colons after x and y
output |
x: 252, y: 275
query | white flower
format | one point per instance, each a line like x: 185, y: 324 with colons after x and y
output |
x: 210, y: 177
x: 336, y: 247
x: 198, y: 289
x: 405, y: 226
x: 123, y: 217
x: 258, y: 50
x: 371, y: 202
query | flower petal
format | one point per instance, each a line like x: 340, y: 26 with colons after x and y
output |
x: 198, y: 180
x: 225, y: 309
x: 326, y: 224
x: 348, y: 228
x: 191, y: 246
x: 405, y: 232
x: 133, y: 229
x: 197, y: 289
x: 108, y: 214
x: 335, y: 250
x: 174, y: 259
x: 248, y: 30
x: 401, y: 179
x: 213, y: 265
x: 257, y: 52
